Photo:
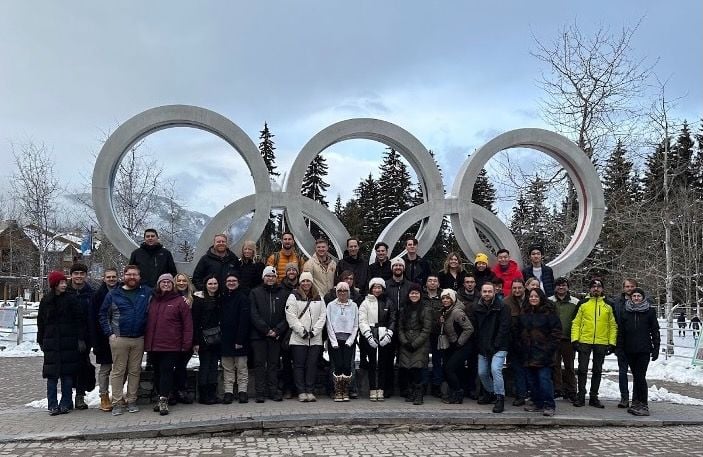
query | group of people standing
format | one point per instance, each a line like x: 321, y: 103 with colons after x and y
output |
x: 279, y: 316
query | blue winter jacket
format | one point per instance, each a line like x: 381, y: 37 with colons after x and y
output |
x: 122, y: 316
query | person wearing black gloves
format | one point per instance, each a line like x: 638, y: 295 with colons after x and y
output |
x: 638, y: 337
x: 593, y: 330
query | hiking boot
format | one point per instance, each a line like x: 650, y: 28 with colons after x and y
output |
x: 519, y: 401
x: 64, y: 410
x: 579, y: 401
x: 500, y: 404
x: 243, y: 397
x: 593, y: 401
x: 228, y: 398
x: 163, y: 406
x: 133, y: 408
x: 548, y: 412
x: 80, y: 402
x: 54, y: 412
x: 624, y: 403
x: 532, y: 408
x: 641, y: 410
x: 117, y: 410
x: 571, y: 396
x: 105, y: 403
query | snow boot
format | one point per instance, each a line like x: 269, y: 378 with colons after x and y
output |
x: 163, y: 406
x: 500, y: 404
x: 338, y: 387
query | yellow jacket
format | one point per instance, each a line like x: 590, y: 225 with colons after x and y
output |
x: 595, y: 323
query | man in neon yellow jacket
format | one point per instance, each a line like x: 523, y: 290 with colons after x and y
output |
x: 593, y: 330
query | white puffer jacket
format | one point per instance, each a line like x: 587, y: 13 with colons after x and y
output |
x: 312, y: 320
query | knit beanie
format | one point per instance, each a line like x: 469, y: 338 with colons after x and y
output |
x: 450, y: 293
x: 55, y: 277
x: 378, y: 281
x: 481, y: 257
x: 292, y: 266
x: 269, y: 270
x: 166, y: 277
x: 397, y: 261
x: 305, y: 275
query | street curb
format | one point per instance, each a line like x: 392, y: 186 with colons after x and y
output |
x: 345, y: 423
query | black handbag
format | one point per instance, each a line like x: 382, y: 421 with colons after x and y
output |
x: 212, y: 336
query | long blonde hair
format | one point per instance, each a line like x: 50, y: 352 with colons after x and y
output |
x: 249, y: 244
x: 449, y: 256
x: 188, y: 294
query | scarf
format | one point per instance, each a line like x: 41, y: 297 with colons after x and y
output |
x: 637, y: 308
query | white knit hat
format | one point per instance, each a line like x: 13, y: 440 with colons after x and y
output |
x: 269, y: 270
x: 450, y: 293
x: 305, y: 275
x: 378, y: 281
x: 397, y: 261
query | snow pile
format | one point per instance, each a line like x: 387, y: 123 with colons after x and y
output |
x: 26, y: 349
x: 676, y: 370
x: 609, y: 390
x: 91, y: 398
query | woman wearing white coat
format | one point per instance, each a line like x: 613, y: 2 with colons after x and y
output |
x: 306, y: 316
x: 376, y: 314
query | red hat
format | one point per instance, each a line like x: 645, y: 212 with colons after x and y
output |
x: 55, y: 277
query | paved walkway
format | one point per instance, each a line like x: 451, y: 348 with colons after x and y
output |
x: 19, y: 383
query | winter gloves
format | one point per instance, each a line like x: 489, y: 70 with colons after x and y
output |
x: 371, y: 340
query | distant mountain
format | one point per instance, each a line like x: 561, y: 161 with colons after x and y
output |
x: 188, y: 227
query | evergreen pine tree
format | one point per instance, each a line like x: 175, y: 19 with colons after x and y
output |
x: 367, y: 199
x: 681, y: 160
x: 698, y: 164
x: 531, y: 222
x: 395, y: 188
x: 484, y: 193
x: 314, y: 185
x: 653, y: 178
x: 338, y: 209
x: 266, y: 148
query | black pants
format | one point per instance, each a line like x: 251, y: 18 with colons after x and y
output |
x: 454, y: 359
x: 471, y: 372
x: 267, y: 353
x: 305, y: 366
x: 386, y: 360
x: 207, y: 373
x: 164, y: 364
x: 416, y: 375
x: 639, y: 361
x: 286, y: 376
x: 596, y: 371
x: 376, y: 363
x: 181, y: 374
x: 341, y: 358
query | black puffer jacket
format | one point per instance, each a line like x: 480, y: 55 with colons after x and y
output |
x: 212, y: 264
x: 638, y: 332
x: 539, y: 330
x: 492, y: 327
x: 235, y: 322
x: 153, y: 261
x: 60, y: 325
x: 397, y: 292
x: 268, y: 310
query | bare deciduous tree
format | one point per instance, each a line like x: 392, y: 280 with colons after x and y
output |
x: 35, y: 188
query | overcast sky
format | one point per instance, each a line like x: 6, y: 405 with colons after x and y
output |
x: 453, y: 73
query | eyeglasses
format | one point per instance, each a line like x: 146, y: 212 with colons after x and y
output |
x: 233, y: 280
x: 346, y: 291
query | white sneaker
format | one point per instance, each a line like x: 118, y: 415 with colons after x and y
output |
x: 302, y: 397
x: 311, y: 397
x: 373, y: 396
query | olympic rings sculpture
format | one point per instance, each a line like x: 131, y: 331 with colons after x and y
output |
x: 466, y: 217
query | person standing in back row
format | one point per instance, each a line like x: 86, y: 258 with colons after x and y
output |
x: 152, y: 258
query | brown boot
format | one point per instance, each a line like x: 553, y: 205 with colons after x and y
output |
x: 105, y: 402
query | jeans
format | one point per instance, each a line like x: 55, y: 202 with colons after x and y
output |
x: 584, y: 357
x: 622, y: 375
x: 305, y: 366
x: 66, y: 392
x: 492, y: 380
x: 638, y: 364
x: 541, y: 386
